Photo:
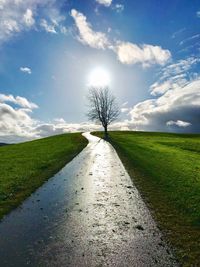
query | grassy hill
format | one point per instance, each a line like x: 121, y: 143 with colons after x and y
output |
x: 166, y: 170
x: 24, y: 167
x: 3, y: 144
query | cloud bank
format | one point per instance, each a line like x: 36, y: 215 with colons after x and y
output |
x: 178, y: 106
x: 15, y: 120
x: 17, y: 124
x: 177, y: 110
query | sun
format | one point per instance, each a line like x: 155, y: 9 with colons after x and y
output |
x: 99, y: 77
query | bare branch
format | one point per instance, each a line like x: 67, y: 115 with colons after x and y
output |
x: 103, y: 106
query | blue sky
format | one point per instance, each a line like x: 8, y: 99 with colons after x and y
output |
x: 48, y: 48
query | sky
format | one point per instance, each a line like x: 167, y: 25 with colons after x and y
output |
x: 50, y: 51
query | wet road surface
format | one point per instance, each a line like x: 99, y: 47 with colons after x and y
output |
x: 89, y: 214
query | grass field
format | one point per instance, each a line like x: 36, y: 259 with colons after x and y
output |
x: 166, y: 170
x: 24, y: 167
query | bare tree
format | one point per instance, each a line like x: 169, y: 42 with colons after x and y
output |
x: 103, y: 107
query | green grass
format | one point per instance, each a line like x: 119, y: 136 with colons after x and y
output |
x: 166, y: 170
x: 24, y: 167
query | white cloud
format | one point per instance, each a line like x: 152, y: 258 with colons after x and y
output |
x: 10, y: 26
x: 59, y: 120
x: 129, y: 53
x: 196, y: 36
x: 104, y: 2
x: 125, y: 104
x: 15, y: 122
x: 118, y: 7
x: 2, y: 3
x: 125, y: 110
x: 177, y: 33
x: 15, y: 16
x: 174, y: 76
x: 17, y: 125
x: 181, y: 66
x: 28, y: 18
x: 48, y: 27
x: 179, y: 104
x: 63, y: 29
x: 198, y: 14
x: 54, y: 23
x: 23, y: 102
x: 159, y: 88
x: 87, y: 35
x: 18, y: 100
x: 18, y: 16
x: 25, y: 70
x: 178, y: 123
x: 47, y: 129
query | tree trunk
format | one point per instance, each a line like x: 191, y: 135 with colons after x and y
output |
x: 106, y: 132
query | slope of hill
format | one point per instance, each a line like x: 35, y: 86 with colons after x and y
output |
x: 24, y: 167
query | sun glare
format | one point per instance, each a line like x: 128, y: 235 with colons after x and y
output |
x: 99, y: 77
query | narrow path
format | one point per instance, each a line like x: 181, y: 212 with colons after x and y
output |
x: 89, y: 214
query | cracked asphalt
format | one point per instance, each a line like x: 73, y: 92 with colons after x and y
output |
x: 88, y: 214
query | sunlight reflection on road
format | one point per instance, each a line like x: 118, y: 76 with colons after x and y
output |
x: 89, y: 214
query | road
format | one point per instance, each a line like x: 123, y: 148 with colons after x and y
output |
x: 88, y: 214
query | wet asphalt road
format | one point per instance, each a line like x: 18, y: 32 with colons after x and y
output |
x: 89, y: 214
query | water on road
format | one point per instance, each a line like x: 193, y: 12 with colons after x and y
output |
x: 89, y: 214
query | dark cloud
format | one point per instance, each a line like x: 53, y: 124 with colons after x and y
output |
x: 180, y: 104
